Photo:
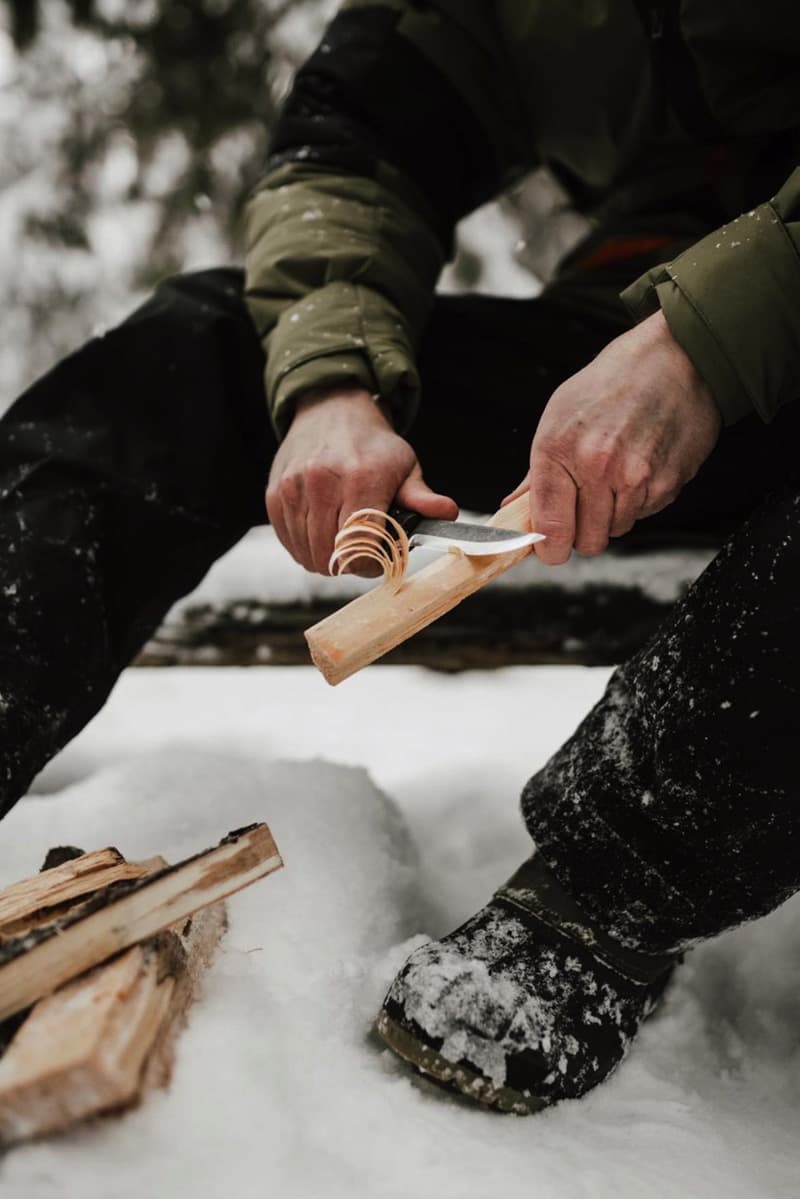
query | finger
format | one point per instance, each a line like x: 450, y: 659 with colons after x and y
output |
x: 323, y: 488
x: 519, y: 490
x: 275, y: 516
x: 595, y: 512
x: 415, y: 494
x: 294, y: 514
x: 322, y: 522
x: 284, y: 500
x: 553, y: 499
x: 629, y: 506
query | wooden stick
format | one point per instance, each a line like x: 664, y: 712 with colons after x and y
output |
x: 36, y: 964
x: 376, y: 622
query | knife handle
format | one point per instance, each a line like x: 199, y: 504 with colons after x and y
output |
x: 407, y: 519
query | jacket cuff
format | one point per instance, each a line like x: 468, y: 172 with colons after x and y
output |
x: 331, y: 370
x: 732, y: 302
x: 314, y: 345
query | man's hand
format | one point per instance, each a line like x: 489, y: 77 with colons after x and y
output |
x: 617, y: 442
x: 341, y: 453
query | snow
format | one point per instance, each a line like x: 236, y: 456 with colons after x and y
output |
x: 396, y: 820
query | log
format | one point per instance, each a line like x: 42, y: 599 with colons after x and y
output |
x: 571, y: 615
x: 110, y: 920
x: 376, y: 622
x: 102, y: 1041
x: 34, y: 901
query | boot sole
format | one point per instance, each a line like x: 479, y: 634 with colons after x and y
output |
x: 454, y: 1075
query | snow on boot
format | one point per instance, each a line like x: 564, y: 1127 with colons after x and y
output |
x: 525, y: 1004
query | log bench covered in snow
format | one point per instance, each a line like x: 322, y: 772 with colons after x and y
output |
x: 254, y: 606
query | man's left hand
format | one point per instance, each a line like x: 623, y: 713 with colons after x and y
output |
x: 617, y: 442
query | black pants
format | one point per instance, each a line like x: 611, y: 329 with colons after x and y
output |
x: 134, y: 464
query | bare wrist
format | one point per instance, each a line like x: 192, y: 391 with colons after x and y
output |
x: 352, y: 397
x: 664, y: 335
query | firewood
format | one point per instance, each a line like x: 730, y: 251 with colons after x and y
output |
x: 102, y: 1041
x: 35, y: 900
x: 376, y: 622
x: 35, y: 964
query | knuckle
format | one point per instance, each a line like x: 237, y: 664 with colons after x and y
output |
x: 290, y: 488
x: 636, y: 474
x: 273, y: 502
x: 360, y: 477
x: 320, y: 477
x: 547, y: 445
x: 662, y: 492
x: 314, y: 473
x: 554, y: 457
x: 596, y: 460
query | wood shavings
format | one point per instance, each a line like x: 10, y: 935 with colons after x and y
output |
x: 370, y: 533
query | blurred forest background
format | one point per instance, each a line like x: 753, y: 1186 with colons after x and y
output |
x: 131, y: 132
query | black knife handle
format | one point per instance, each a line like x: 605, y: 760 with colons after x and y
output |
x: 407, y: 519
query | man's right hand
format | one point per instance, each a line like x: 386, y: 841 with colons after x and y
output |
x: 342, y: 453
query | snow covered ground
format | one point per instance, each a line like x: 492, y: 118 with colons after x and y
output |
x: 393, y: 799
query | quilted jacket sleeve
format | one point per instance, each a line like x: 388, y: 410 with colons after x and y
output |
x: 399, y: 123
x: 733, y: 302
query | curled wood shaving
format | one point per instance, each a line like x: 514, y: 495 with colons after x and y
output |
x: 370, y: 533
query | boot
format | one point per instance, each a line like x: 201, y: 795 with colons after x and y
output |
x: 526, y: 1004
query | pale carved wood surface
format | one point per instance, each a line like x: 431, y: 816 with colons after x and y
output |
x: 376, y: 622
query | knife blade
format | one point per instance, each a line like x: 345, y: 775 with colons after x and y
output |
x: 471, y: 538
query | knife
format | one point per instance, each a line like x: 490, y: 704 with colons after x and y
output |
x: 471, y: 538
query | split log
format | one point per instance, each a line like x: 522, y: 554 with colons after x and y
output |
x: 35, y: 901
x: 102, y: 1041
x: 374, y: 623
x: 35, y: 964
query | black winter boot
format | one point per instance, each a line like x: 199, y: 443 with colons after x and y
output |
x: 525, y: 1004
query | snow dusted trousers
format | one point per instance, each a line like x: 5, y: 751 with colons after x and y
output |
x: 673, y: 812
x: 128, y: 469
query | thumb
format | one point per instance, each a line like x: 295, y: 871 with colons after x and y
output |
x: 524, y: 486
x: 417, y: 495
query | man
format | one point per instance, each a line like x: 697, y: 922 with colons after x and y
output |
x: 669, y: 815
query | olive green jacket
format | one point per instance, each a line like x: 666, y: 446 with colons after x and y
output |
x: 411, y: 114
